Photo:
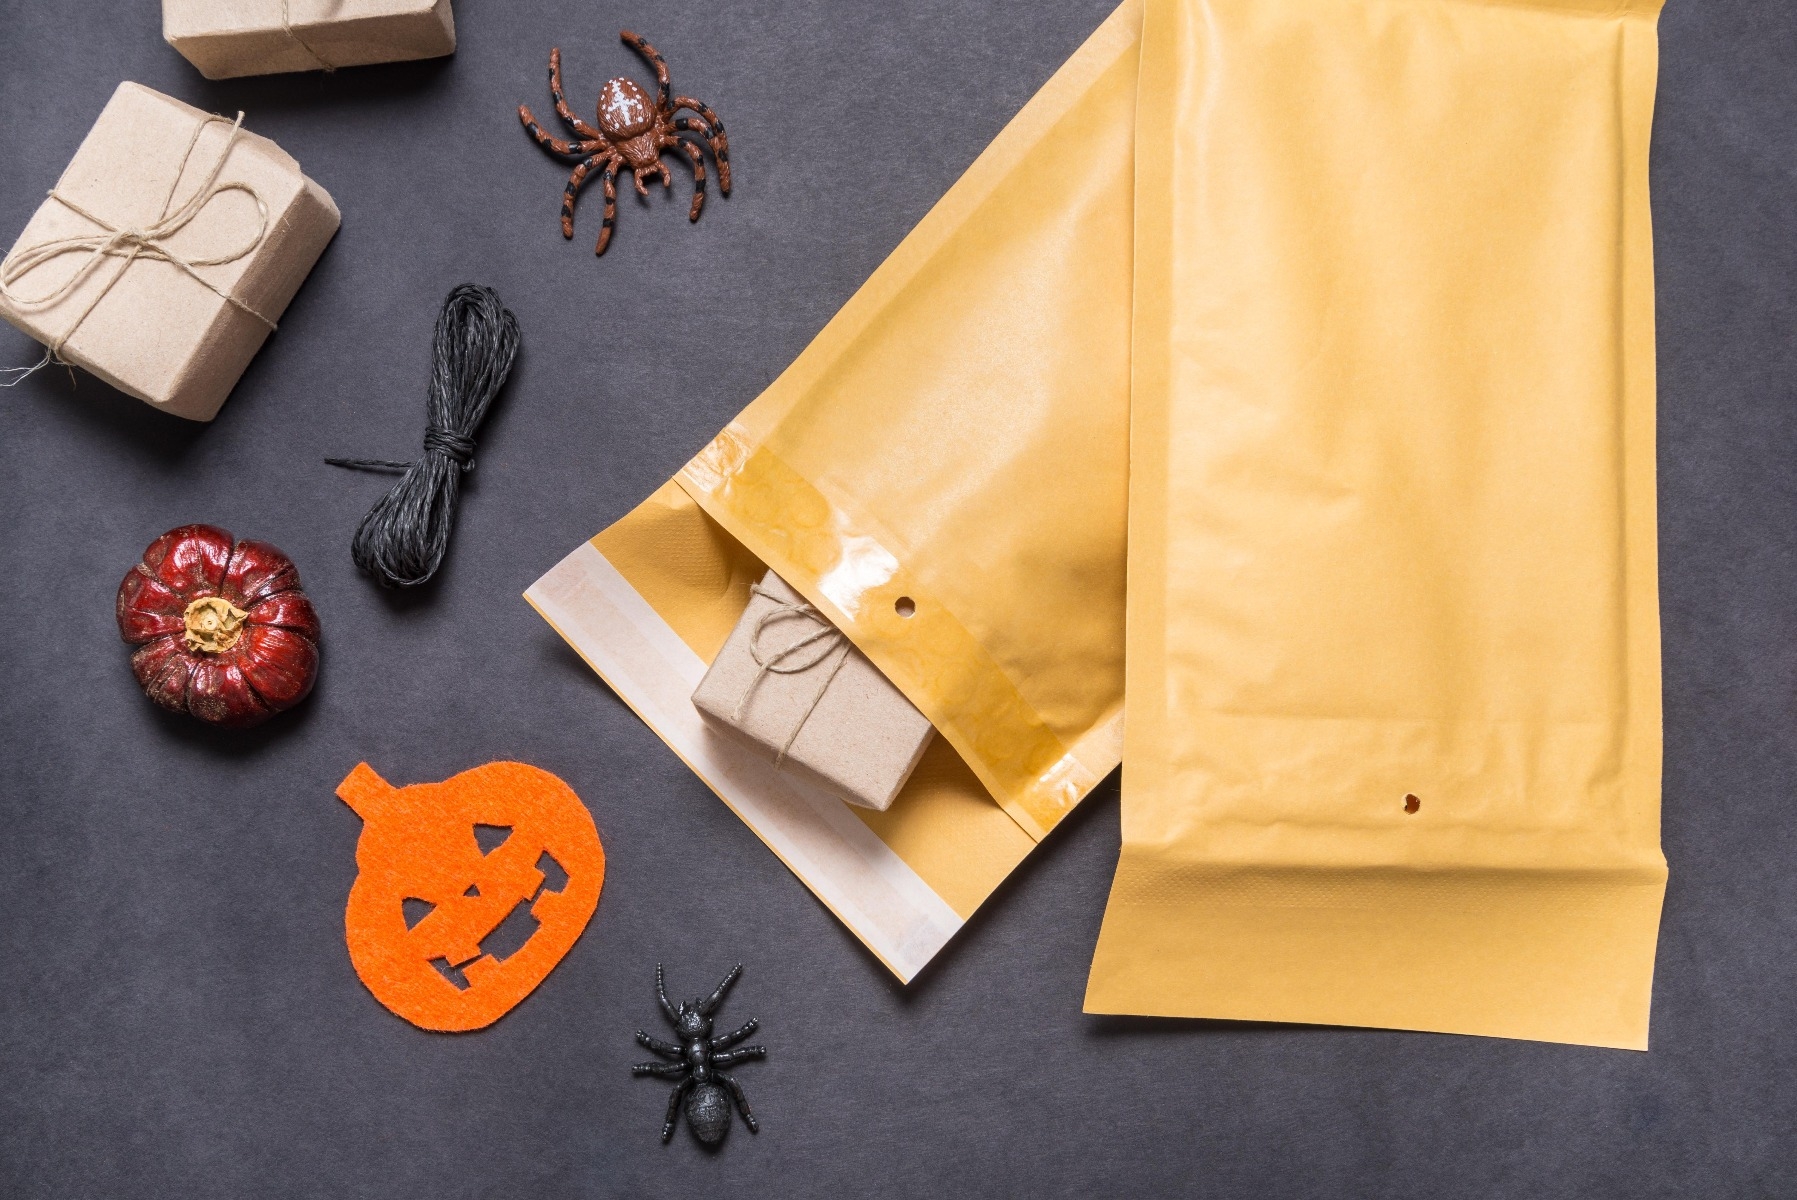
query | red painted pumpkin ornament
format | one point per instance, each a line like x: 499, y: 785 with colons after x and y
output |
x: 221, y: 627
x: 468, y: 892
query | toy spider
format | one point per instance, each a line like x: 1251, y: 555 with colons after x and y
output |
x: 698, y: 1057
x: 633, y: 132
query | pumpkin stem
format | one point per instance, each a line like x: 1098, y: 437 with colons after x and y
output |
x: 213, y: 624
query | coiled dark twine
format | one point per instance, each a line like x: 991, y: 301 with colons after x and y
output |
x: 402, y: 540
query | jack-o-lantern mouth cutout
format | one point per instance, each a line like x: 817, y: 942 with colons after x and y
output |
x: 468, y: 891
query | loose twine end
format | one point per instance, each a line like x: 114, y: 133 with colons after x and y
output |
x: 50, y: 359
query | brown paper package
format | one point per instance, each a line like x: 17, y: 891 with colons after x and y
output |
x: 157, y: 332
x: 863, y: 737
x: 228, y: 38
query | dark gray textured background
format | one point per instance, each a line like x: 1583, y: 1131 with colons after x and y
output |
x: 178, y: 1017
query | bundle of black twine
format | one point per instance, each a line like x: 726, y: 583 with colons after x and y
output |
x: 402, y: 540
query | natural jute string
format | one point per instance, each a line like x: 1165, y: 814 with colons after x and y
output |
x: 132, y: 243
x: 324, y: 64
x: 827, y: 639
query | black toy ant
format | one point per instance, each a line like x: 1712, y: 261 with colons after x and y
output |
x: 696, y: 1062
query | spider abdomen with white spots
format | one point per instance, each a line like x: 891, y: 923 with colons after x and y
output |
x: 624, y: 109
x: 633, y: 132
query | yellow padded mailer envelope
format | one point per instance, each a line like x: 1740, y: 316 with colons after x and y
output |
x: 955, y: 437
x: 1388, y: 491
x: 1392, y: 521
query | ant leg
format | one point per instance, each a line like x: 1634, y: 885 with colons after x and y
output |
x: 720, y: 141
x: 742, y: 1101
x: 730, y: 1039
x: 572, y: 190
x: 661, y: 991
x: 610, y: 179
x: 654, y: 60
x: 555, y: 145
x: 693, y: 152
x: 666, y: 1049
x: 667, y: 1126
x: 730, y: 1058
x: 716, y: 998
x: 664, y: 1070
x: 561, y: 102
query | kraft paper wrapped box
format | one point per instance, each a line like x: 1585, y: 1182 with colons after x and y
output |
x: 229, y: 38
x: 790, y: 684
x: 166, y: 252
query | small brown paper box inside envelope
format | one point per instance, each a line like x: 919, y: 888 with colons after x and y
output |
x: 790, y: 684
x: 228, y: 38
x: 99, y: 276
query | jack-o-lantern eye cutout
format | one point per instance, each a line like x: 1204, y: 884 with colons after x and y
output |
x: 469, y: 891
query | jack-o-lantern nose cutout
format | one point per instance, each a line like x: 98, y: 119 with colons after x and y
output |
x: 469, y: 891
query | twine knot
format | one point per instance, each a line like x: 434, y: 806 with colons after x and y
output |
x: 454, y: 446
x: 795, y: 657
x: 133, y: 243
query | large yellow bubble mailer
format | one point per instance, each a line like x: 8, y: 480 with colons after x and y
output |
x: 943, y: 472
x: 1393, y: 754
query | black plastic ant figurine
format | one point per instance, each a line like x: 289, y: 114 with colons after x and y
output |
x: 697, y: 1059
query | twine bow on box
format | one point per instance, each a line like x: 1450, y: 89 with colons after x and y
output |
x: 793, y: 659
x: 132, y: 243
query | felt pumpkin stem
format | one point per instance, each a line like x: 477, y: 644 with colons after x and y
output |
x: 364, y: 791
x: 213, y: 624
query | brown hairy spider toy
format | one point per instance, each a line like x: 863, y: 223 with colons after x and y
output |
x: 633, y: 133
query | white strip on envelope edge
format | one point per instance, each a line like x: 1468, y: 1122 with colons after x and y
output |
x: 857, y: 876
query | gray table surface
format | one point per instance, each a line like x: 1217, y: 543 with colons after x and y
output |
x: 178, y: 1017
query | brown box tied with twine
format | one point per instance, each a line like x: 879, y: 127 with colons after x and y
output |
x: 789, y: 683
x: 228, y: 38
x: 166, y: 252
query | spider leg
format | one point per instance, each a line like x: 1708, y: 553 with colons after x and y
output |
x: 716, y: 998
x: 661, y: 991
x: 698, y: 157
x: 697, y: 127
x: 720, y: 141
x: 742, y: 1101
x: 667, y: 1126
x: 730, y: 1058
x: 664, y: 1070
x: 730, y: 1039
x: 654, y: 60
x: 666, y: 1049
x: 556, y: 145
x: 610, y: 179
x: 561, y: 103
x: 572, y: 190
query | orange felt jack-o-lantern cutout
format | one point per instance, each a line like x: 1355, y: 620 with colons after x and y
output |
x: 452, y: 876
